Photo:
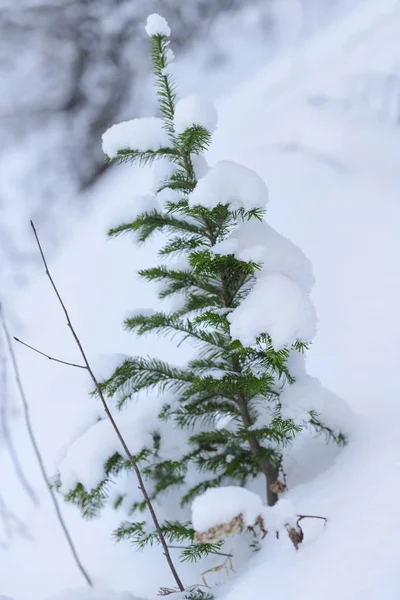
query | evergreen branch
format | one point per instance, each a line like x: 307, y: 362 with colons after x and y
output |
x: 200, y: 488
x: 211, y: 439
x: 232, y: 462
x: 246, y: 215
x: 136, y: 533
x: 144, y: 157
x: 210, y: 552
x: 112, y: 420
x: 147, y: 223
x: 166, y: 473
x: 183, y: 243
x: 218, y: 320
x: 213, y: 365
x: 194, y: 140
x: 205, y: 407
x: 197, y: 302
x: 338, y: 437
x: 92, y: 501
x: 179, y: 181
x: 197, y: 551
x: 231, y: 383
x: 280, y: 432
x: 164, y: 82
x: 178, y: 281
x: 160, y: 322
x: 144, y: 373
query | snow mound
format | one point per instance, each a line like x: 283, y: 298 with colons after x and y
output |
x: 255, y: 240
x: 278, y: 516
x: 276, y: 306
x: 194, y: 110
x: 200, y: 165
x: 157, y: 25
x: 85, y: 458
x: 221, y: 505
x: 307, y: 394
x: 142, y: 134
x: 228, y: 182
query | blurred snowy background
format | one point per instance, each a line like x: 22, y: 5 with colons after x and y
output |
x: 308, y: 95
x: 71, y: 68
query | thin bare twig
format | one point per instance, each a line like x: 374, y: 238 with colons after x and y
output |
x: 300, y: 517
x: 296, y: 534
x: 36, y: 449
x: 6, y: 432
x: 63, y: 362
x: 113, y: 423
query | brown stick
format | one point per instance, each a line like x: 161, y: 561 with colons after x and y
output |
x: 269, y: 470
x: 111, y: 418
x: 38, y: 454
x: 300, y: 517
x: 63, y: 362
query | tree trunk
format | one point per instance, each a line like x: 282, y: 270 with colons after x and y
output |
x: 266, y: 467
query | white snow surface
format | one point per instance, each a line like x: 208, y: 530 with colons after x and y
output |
x: 142, y: 134
x: 157, y: 25
x: 228, y: 182
x: 195, y: 110
x: 307, y: 394
x: 220, y: 505
x: 135, y: 205
x: 327, y: 155
x: 93, y: 594
x: 278, y: 516
x: 276, y: 306
x: 85, y: 458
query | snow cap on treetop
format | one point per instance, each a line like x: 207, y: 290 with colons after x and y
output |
x: 137, y: 134
x: 228, y: 182
x: 157, y: 25
x: 194, y: 110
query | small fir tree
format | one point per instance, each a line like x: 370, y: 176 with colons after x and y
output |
x: 228, y: 401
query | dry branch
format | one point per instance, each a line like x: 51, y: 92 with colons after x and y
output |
x: 111, y: 418
x: 37, y: 452
x: 6, y: 431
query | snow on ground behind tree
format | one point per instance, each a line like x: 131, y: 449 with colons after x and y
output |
x: 331, y: 168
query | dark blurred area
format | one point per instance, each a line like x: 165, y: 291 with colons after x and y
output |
x: 77, y: 64
x: 68, y: 70
x: 71, y: 68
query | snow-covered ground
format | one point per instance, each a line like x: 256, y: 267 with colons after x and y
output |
x: 321, y: 128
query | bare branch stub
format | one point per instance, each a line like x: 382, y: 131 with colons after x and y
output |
x: 301, y: 517
x: 111, y: 418
x: 63, y: 362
